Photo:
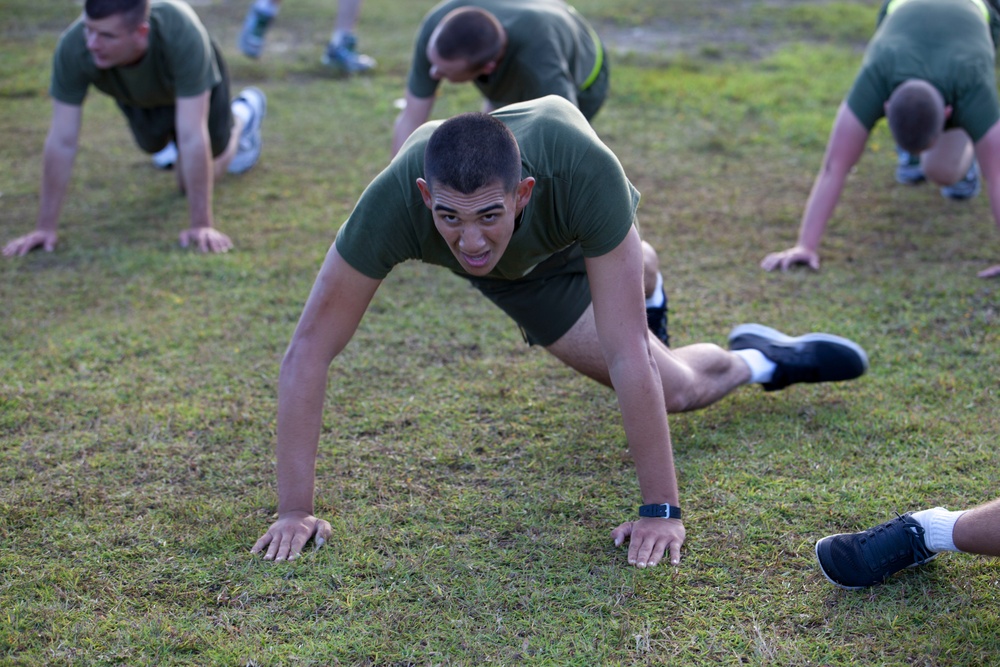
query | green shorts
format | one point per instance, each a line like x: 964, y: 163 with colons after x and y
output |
x: 153, y: 128
x: 548, y: 301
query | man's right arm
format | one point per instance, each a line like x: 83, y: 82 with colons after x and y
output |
x: 339, y: 299
x: 60, y: 152
x: 414, y: 114
x: 847, y: 143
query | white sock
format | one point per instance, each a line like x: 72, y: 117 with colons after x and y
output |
x: 761, y: 368
x: 656, y: 299
x: 269, y: 7
x: 242, y: 111
x: 939, y: 526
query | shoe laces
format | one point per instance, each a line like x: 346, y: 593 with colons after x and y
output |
x: 892, y: 542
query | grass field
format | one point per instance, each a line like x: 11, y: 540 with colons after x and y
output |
x: 472, y: 481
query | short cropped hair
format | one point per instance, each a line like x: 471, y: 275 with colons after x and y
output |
x: 134, y: 12
x: 471, y: 34
x: 470, y: 151
x: 916, y: 115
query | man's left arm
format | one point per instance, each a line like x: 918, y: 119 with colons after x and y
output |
x: 195, y: 160
x: 988, y: 155
x: 616, y: 287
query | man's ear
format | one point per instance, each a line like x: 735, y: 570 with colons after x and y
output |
x: 425, y: 192
x: 947, y: 111
x: 143, y: 30
x: 523, y: 193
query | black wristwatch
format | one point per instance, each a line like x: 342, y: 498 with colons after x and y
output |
x: 663, y: 511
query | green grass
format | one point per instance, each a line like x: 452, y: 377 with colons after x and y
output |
x: 472, y: 481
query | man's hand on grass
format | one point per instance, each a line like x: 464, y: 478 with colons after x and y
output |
x: 22, y: 245
x: 786, y: 259
x: 650, y: 539
x: 287, y: 536
x: 991, y: 272
x: 206, y: 239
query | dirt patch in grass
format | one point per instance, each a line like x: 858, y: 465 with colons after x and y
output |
x: 744, y: 29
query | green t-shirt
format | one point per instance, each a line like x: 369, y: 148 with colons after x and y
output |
x: 944, y: 42
x: 551, y: 50
x: 180, y: 62
x: 581, y: 194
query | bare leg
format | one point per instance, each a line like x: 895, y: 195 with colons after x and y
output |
x: 221, y: 163
x: 693, y: 377
x: 347, y: 15
x: 978, y: 530
x: 947, y: 162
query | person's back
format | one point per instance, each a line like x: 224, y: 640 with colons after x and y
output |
x: 541, y: 48
x: 944, y: 42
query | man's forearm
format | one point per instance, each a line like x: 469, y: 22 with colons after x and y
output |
x: 301, y: 390
x: 819, y: 208
x: 196, y: 163
x: 57, y: 167
x: 640, y: 398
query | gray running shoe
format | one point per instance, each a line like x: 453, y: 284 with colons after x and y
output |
x: 251, y: 40
x: 814, y: 357
x: 908, y: 169
x: 248, y: 151
x: 344, y: 56
x: 859, y: 560
x: 967, y: 188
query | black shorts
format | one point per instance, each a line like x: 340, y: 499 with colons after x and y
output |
x: 548, y: 301
x: 154, y: 128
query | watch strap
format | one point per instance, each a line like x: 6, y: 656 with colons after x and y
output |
x: 662, y: 511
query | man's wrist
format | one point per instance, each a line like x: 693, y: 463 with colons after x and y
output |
x: 660, y: 510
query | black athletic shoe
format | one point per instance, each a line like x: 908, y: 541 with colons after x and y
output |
x: 656, y: 319
x: 815, y: 357
x: 859, y: 560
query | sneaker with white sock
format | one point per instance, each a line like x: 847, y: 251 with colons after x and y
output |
x: 814, y: 357
x: 248, y: 151
x: 165, y: 158
x: 343, y: 55
x: 858, y: 560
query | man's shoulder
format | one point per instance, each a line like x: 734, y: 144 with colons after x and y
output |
x: 173, y: 13
x: 551, y: 113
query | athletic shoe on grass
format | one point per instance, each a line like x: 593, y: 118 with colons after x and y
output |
x: 344, y: 56
x: 815, y: 357
x: 251, y: 40
x: 859, y: 560
x: 908, y: 169
x: 967, y: 188
x: 250, y: 139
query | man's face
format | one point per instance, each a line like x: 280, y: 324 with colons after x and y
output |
x: 456, y: 71
x: 112, y: 43
x: 478, y: 226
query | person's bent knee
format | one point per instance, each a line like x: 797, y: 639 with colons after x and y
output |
x: 944, y: 174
